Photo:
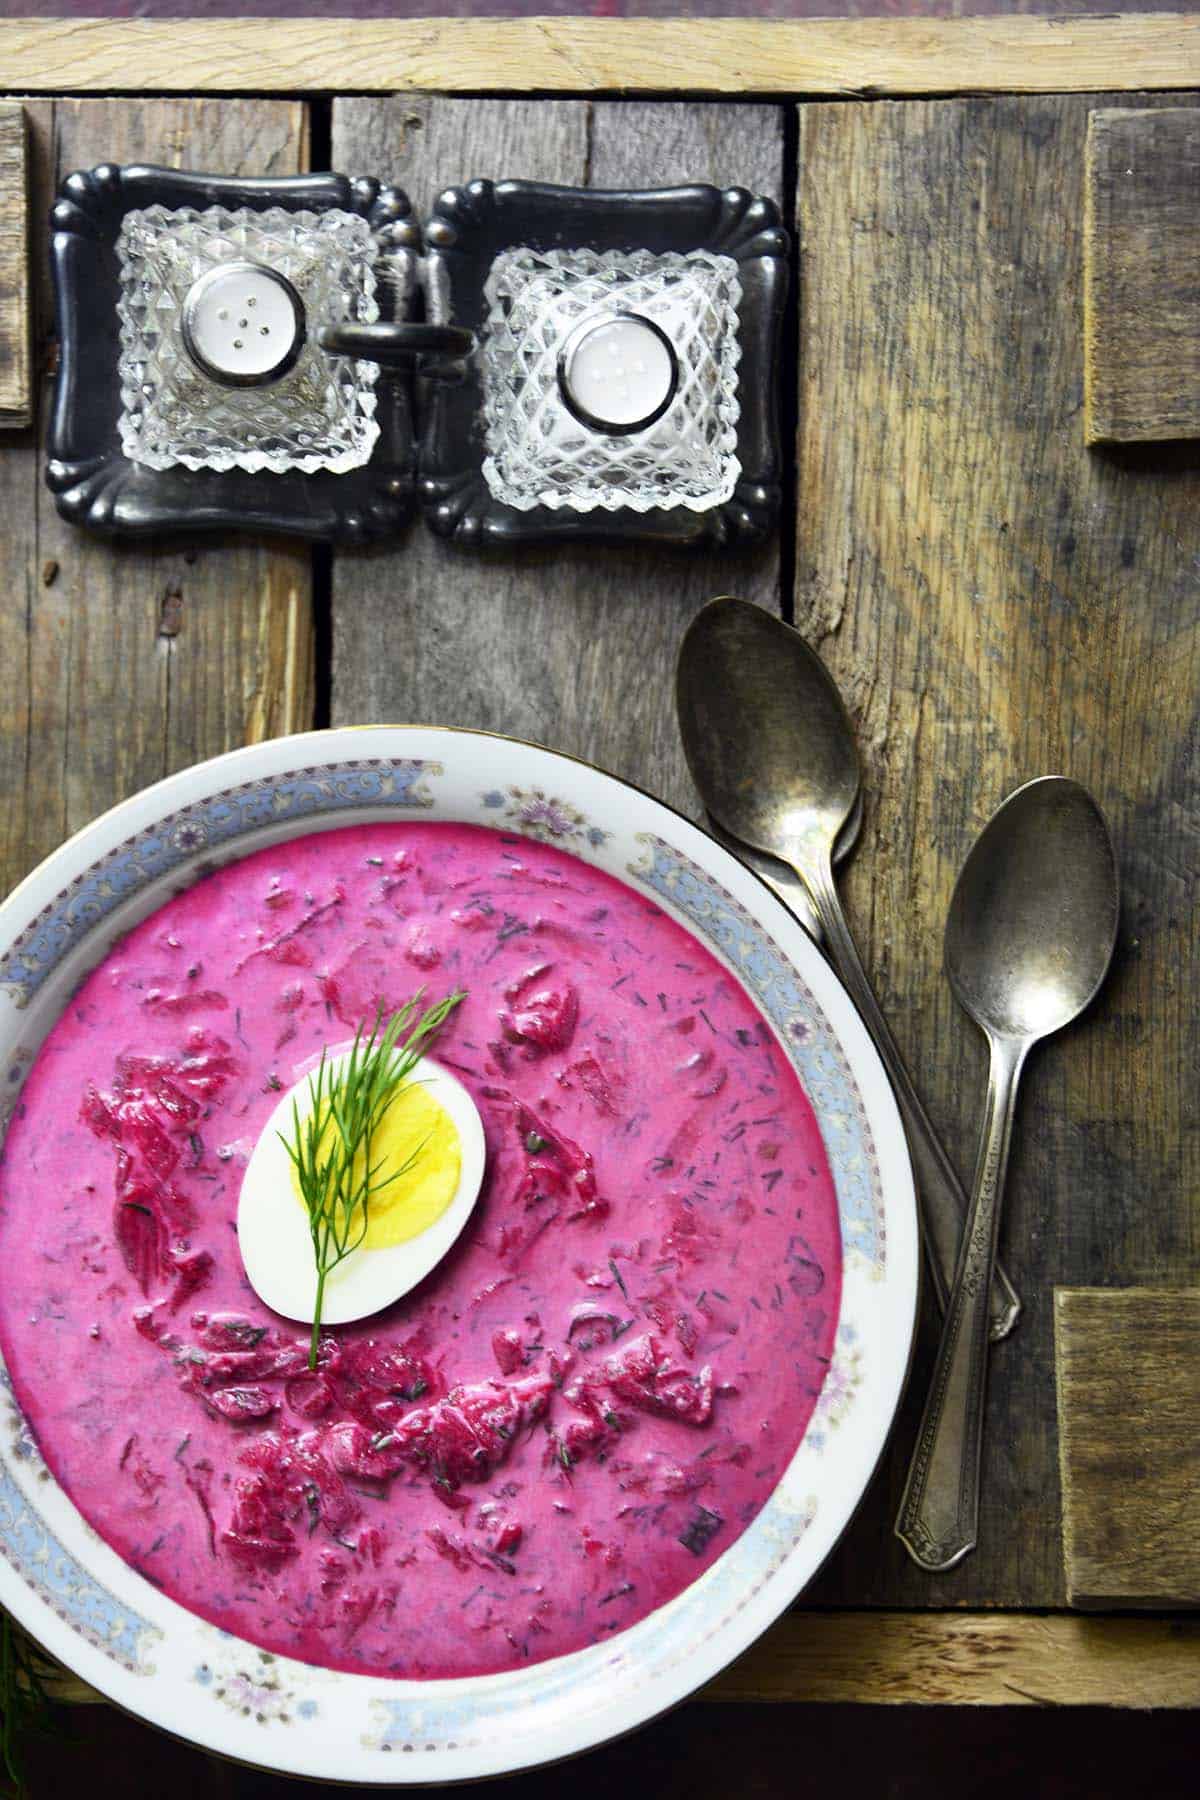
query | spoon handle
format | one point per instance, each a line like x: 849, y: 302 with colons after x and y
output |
x: 943, y: 1203
x: 939, y: 1513
x: 781, y: 878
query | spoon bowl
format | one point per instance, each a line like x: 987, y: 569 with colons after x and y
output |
x: 768, y: 740
x: 1033, y: 918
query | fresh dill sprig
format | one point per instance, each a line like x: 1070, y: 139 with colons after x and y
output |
x: 330, y: 1147
x: 24, y: 1699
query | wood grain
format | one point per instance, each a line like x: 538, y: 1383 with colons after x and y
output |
x: 872, y: 56
x: 573, y: 647
x: 1141, y: 295
x: 944, y: 1659
x: 127, y: 662
x: 16, y: 377
x: 997, y: 602
x: 1128, y: 1370
x: 968, y: 1659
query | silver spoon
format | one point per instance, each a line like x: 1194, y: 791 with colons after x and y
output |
x: 1031, y: 931
x: 784, y: 882
x: 771, y: 749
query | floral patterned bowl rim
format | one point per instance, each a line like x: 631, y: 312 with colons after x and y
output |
x: 158, y: 1660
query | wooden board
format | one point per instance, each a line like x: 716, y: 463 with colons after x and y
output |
x: 945, y: 1659
x: 1128, y: 1368
x: 572, y: 647
x: 997, y: 602
x: 16, y: 379
x: 1141, y: 294
x: 968, y: 1659
x: 871, y: 56
x: 127, y: 662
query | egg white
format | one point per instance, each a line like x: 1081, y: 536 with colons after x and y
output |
x: 272, y: 1224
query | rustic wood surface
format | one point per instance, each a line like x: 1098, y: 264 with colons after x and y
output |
x: 16, y: 377
x: 969, y: 1659
x: 998, y: 602
x: 573, y: 647
x: 1128, y: 1370
x: 1140, y: 294
x: 995, y: 600
x: 744, y: 56
x: 126, y: 663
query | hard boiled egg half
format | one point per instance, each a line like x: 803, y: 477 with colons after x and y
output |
x: 413, y: 1218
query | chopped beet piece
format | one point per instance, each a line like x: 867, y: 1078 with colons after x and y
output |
x: 376, y: 1381
x: 141, y: 1129
x: 468, y: 1434
x: 192, y: 1269
x: 356, y: 1607
x: 333, y: 1571
x: 452, y: 1549
x: 291, y: 953
x: 543, y: 1021
x: 685, y: 1331
x: 507, y: 1349
x: 691, y: 1235
x: 139, y: 1239
x: 243, y: 1402
x: 230, y: 1331
x: 420, y: 949
x: 259, y: 1536
x: 643, y: 1374
x: 188, y: 1001
x: 354, y: 1449
x: 556, y: 1155
x: 98, y: 1113
x: 310, y: 1394
x: 365, y: 981
x: 296, y: 1479
x: 268, y: 1555
x: 595, y: 1083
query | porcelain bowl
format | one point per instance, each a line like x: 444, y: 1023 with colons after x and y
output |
x: 156, y: 1659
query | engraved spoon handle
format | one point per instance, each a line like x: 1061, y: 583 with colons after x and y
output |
x: 943, y: 1203
x: 939, y: 1513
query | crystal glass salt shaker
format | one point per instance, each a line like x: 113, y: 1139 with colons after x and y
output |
x: 252, y: 339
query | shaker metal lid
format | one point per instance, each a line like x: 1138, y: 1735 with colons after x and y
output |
x: 243, y: 324
x: 618, y: 372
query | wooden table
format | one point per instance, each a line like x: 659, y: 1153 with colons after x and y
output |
x: 995, y: 599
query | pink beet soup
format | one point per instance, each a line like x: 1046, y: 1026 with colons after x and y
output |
x: 575, y: 1414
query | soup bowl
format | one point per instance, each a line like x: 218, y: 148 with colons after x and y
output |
x: 152, y: 1656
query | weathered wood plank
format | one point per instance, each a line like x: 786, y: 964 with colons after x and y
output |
x: 573, y: 647
x: 946, y: 1659
x: 16, y: 379
x: 968, y: 1659
x: 997, y: 602
x: 129, y: 661
x: 868, y: 56
x: 1128, y: 1370
x: 1141, y: 296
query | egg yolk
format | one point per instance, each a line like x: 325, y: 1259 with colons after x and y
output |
x: 415, y: 1128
